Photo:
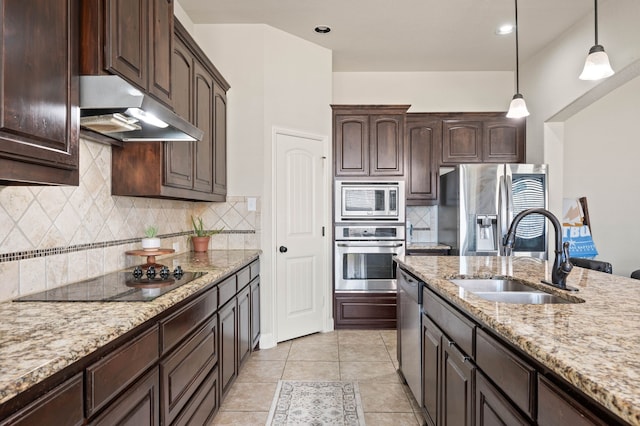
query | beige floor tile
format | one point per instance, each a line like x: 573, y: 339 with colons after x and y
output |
x: 363, y: 352
x: 311, y: 351
x: 395, y: 362
x: 393, y: 351
x: 318, y: 338
x: 249, y: 397
x: 384, y: 398
x: 311, y: 370
x: 389, y: 337
x: 367, y: 337
x: 391, y: 419
x: 412, y: 400
x: 279, y: 352
x: 259, y: 371
x: 239, y: 418
x: 380, y: 372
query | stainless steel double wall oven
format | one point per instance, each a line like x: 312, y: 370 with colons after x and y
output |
x: 369, y: 233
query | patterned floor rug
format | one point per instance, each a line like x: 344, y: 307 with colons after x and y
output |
x: 316, y: 404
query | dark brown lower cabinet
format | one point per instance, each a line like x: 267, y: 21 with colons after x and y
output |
x: 172, y: 370
x: 138, y: 406
x: 427, y: 252
x: 186, y: 367
x: 228, y: 349
x: 470, y: 376
x: 113, y: 373
x: 458, y: 377
x: 255, y: 313
x: 244, y: 325
x: 431, y: 377
x: 557, y: 407
x: 61, y: 406
x: 365, y: 311
x: 204, y: 404
x: 448, y: 379
x: 508, y: 371
x: 493, y: 409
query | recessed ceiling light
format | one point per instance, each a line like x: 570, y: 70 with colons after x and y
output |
x: 505, y: 29
x: 322, y: 29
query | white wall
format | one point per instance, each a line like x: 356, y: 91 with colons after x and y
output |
x: 601, y: 154
x: 549, y: 81
x: 182, y: 16
x: 277, y: 80
x: 554, y: 94
x: 427, y: 91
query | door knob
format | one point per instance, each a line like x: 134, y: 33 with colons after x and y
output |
x: 283, y: 249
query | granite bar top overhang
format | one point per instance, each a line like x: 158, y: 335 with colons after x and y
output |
x: 594, y: 345
x: 39, y: 339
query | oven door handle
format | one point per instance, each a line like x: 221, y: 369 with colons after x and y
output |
x: 370, y: 245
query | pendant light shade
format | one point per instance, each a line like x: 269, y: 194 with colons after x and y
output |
x: 597, y: 65
x: 517, y: 108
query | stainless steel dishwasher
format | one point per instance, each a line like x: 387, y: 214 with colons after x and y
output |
x: 409, y: 302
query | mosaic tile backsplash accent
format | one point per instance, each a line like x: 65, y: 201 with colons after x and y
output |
x: 50, y: 236
x: 425, y: 224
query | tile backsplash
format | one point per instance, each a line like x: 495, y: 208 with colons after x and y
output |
x: 424, y: 220
x: 50, y: 235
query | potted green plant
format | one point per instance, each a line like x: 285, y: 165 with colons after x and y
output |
x: 151, y: 241
x: 201, y: 236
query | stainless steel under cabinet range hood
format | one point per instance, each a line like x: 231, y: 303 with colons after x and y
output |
x: 111, y: 106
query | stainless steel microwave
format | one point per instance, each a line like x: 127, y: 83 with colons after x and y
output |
x: 369, y: 200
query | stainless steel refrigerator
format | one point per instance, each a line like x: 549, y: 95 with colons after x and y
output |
x: 479, y: 201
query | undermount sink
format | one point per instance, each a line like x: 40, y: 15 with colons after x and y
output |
x: 491, y: 284
x: 509, y: 290
x: 522, y: 297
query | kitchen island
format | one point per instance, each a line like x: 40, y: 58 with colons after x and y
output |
x: 48, y: 342
x: 593, y: 346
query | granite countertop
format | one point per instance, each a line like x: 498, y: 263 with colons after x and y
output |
x: 594, y: 345
x: 38, y: 339
x: 427, y: 245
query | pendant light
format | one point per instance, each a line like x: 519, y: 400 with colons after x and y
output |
x: 517, y: 108
x: 596, y: 66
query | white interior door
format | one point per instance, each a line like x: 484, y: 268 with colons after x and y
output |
x: 301, y: 260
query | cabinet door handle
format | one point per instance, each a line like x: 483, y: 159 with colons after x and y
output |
x: 466, y: 358
x: 451, y: 343
x: 283, y: 249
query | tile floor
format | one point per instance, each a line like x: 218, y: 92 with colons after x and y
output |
x: 366, y: 356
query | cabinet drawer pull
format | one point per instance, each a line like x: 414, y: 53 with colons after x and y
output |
x: 451, y: 343
x: 466, y: 358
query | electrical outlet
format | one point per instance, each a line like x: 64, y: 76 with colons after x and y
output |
x: 251, y: 204
x: 176, y: 247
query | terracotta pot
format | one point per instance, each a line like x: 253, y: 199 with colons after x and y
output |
x: 200, y: 244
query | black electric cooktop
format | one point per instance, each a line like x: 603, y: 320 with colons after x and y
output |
x: 133, y: 286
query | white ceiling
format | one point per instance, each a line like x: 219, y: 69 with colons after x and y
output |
x: 407, y: 35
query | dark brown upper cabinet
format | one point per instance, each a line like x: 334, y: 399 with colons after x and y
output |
x: 369, y: 140
x: 182, y: 170
x: 482, y: 138
x: 131, y: 38
x: 423, y: 135
x: 39, y: 127
x: 461, y: 141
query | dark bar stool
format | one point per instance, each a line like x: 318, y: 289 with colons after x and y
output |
x: 596, y: 265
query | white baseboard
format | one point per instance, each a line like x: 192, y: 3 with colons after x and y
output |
x: 267, y: 341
